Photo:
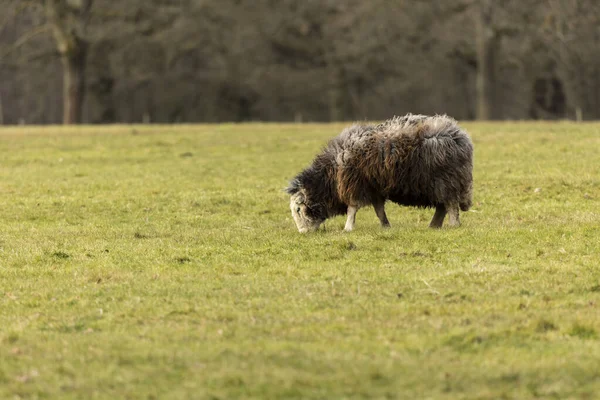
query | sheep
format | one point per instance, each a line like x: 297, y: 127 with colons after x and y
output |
x: 413, y: 160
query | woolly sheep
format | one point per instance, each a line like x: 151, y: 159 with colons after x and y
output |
x: 414, y: 160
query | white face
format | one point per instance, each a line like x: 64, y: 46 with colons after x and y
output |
x: 303, y: 221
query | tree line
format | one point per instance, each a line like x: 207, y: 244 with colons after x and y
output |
x: 170, y: 61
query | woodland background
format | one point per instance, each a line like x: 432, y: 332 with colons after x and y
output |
x: 131, y: 61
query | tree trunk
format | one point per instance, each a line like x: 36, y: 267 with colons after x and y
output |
x: 68, y: 20
x: 74, y: 62
x: 485, y: 47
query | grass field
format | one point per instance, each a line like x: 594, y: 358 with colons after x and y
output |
x: 162, y: 262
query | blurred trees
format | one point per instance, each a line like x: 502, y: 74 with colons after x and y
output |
x: 571, y: 31
x: 282, y: 60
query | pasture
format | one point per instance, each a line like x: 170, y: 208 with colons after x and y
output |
x: 162, y: 262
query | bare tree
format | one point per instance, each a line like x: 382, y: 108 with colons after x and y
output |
x: 69, y: 20
x: 571, y: 32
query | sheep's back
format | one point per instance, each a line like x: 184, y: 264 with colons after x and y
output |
x: 412, y: 160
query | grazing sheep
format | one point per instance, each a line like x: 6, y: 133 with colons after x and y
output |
x: 414, y: 160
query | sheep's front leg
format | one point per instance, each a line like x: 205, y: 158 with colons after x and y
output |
x: 438, y: 217
x: 351, y: 218
x: 380, y: 211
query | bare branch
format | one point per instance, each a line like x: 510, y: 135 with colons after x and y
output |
x: 24, y: 39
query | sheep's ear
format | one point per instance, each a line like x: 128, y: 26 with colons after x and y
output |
x: 299, y: 197
x: 293, y: 188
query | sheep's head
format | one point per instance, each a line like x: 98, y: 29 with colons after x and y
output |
x: 305, y: 215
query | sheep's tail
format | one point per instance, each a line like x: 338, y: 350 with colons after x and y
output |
x: 466, y: 202
x: 465, y: 206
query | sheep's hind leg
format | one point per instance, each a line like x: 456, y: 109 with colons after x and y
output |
x: 453, y: 215
x: 438, y: 217
x: 351, y: 218
x: 380, y: 211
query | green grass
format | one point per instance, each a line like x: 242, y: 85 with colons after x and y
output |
x: 162, y: 262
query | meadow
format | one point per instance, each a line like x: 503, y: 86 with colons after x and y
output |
x: 162, y: 262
